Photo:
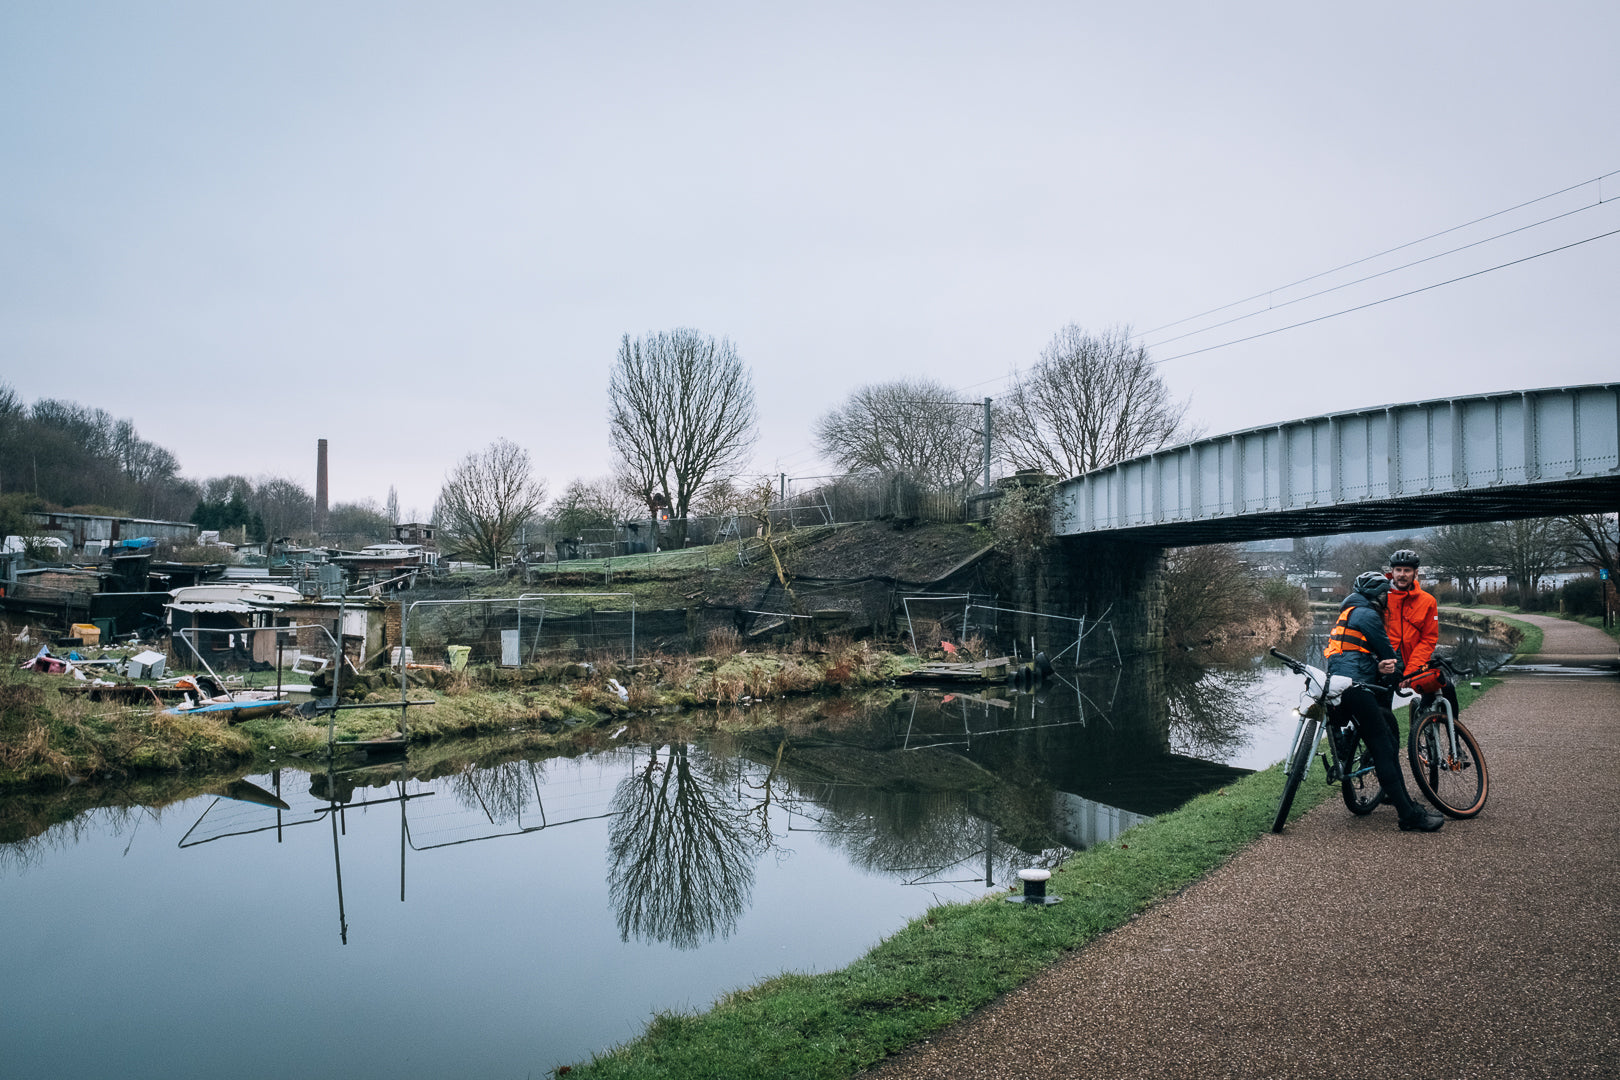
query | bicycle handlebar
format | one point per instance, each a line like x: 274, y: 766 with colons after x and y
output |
x: 1297, y: 666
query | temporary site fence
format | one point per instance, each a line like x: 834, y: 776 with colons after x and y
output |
x: 855, y: 497
x: 970, y: 615
x: 511, y: 631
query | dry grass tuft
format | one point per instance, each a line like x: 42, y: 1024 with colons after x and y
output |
x: 723, y: 642
x: 32, y: 753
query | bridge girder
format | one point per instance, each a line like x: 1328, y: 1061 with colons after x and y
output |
x: 1491, y: 457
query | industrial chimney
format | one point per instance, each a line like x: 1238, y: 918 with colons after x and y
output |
x: 320, y: 487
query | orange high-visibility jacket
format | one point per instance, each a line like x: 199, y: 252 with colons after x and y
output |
x: 1358, y: 641
x: 1412, y: 621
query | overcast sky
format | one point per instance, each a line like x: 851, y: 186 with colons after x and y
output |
x: 411, y: 228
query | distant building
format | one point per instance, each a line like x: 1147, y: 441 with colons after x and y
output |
x: 415, y: 532
x: 79, y: 530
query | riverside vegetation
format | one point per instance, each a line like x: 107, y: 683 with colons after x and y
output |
x: 941, y: 967
x: 50, y: 738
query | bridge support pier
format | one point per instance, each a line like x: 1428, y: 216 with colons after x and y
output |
x: 1115, y: 580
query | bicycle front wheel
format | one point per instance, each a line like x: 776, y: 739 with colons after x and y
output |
x: 1298, y: 762
x: 1449, y: 771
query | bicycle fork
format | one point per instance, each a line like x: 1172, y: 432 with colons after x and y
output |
x: 1447, y: 757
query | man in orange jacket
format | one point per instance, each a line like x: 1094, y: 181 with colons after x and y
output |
x: 1412, y: 618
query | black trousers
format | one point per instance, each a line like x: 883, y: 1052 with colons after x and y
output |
x: 1382, y: 736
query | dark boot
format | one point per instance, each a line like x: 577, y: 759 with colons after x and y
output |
x: 1421, y: 819
x: 1414, y: 817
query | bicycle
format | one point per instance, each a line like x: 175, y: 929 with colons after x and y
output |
x: 1351, y: 764
x: 1445, y: 757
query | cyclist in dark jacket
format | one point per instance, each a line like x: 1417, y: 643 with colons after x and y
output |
x: 1359, y: 647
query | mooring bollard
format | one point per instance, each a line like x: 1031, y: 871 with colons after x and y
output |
x: 1034, y: 888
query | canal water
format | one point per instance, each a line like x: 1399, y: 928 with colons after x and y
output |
x: 507, y: 916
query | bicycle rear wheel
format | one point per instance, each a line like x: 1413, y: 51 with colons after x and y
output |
x: 1298, y: 762
x: 1451, y: 774
x: 1362, y: 791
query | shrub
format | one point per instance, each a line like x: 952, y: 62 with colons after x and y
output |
x: 1282, y: 595
x: 1583, y: 596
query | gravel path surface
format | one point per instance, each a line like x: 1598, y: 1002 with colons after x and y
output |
x: 1346, y: 948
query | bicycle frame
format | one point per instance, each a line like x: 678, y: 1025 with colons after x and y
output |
x: 1328, y: 714
x: 1334, y: 765
x: 1441, y: 704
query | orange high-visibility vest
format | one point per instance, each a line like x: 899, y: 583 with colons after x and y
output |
x: 1344, y: 639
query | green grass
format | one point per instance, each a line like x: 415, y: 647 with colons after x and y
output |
x: 1531, y: 636
x: 955, y: 958
x: 950, y: 961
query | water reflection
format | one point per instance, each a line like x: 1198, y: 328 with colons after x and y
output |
x: 1211, y: 709
x: 681, y: 854
x: 939, y: 790
x: 555, y: 903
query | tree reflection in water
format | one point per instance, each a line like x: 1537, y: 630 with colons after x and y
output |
x: 680, y: 854
x: 1210, y: 708
x: 929, y: 838
x: 502, y: 792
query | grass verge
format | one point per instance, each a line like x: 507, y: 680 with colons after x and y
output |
x: 1531, y: 636
x: 1524, y: 638
x: 955, y: 958
x: 1596, y: 623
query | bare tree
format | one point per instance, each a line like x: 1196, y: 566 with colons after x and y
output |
x: 1207, y: 590
x: 1530, y: 549
x: 391, y: 508
x: 1090, y: 400
x: 911, y: 426
x: 1352, y: 557
x: 487, y: 498
x: 1466, y: 552
x: 285, y: 506
x: 1594, y: 539
x: 589, y: 504
x: 356, y: 524
x: 680, y: 415
x: 1310, y: 555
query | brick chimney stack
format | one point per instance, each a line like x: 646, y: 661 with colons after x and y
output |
x: 320, y: 487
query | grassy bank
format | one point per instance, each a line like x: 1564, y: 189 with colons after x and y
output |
x: 47, y: 737
x: 955, y: 958
x: 1594, y: 621
x: 1525, y: 638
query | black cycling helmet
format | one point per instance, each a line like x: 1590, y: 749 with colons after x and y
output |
x: 1404, y: 557
x: 1373, y: 585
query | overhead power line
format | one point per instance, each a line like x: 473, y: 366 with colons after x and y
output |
x: 1387, y: 251
x: 1387, y: 299
x: 1372, y: 277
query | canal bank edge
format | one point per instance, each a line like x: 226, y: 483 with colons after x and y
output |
x: 1524, y: 637
x: 955, y: 958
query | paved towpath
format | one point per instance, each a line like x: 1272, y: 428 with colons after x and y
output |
x: 1565, y: 643
x: 1347, y: 948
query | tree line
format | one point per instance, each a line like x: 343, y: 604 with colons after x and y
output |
x: 682, y: 422
x: 59, y: 455
x: 1526, y: 551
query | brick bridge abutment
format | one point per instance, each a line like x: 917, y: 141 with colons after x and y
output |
x: 1116, y: 581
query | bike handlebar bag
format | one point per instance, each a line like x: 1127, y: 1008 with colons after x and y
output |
x: 1427, y: 681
